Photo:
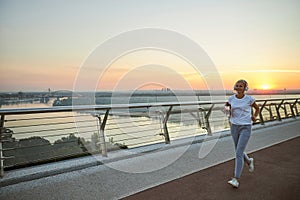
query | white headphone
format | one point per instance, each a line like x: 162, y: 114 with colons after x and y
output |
x: 243, y: 81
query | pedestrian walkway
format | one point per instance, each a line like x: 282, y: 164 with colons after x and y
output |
x: 192, y: 175
x: 276, y: 176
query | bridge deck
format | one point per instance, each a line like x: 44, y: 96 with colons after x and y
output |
x: 275, y: 148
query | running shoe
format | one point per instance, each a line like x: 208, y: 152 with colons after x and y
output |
x: 234, y: 182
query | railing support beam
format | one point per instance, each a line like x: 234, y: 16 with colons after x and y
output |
x: 277, y: 110
x: 165, y: 121
x: 261, y: 118
x: 294, y: 106
x: 208, y: 128
x: 101, y: 133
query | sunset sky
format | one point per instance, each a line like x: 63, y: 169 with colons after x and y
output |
x: 45, y: 43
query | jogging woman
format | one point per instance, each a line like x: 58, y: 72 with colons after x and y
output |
x: 241, y: 118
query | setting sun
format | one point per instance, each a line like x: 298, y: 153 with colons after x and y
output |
x: 265, y: 87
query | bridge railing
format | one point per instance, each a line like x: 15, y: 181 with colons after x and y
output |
x: 37, y: 135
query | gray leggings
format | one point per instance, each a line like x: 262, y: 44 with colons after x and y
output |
x: 240, y: 135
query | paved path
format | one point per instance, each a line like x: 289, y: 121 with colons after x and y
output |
x: 276, y: 176
x: 125, y: 177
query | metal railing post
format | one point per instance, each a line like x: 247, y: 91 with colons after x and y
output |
x: 277, y: 110
x: 198, y: 118
x: 165, y: 121
x: 1, y: 146
x: 101, y: 133
x: 285, y: 110
x: 270, y: 111
x: 294, y: 106
x: 292, y: 110
x: 261, y: 118
x: 208, y: 128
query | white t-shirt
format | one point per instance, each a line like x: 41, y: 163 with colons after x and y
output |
x: 241, y: 110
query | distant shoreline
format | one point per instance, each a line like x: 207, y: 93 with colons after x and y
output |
x: 139, y: 92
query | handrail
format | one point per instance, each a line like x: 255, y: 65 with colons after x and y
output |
x: 270, y: 110
x: 14, y: 111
